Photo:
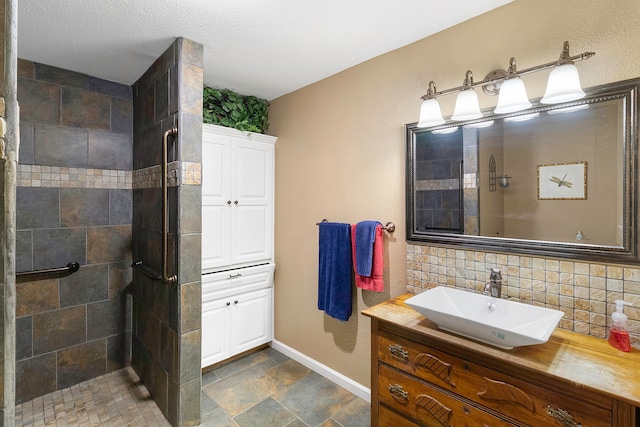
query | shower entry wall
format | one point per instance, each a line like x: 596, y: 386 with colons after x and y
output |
x: 166, y: 331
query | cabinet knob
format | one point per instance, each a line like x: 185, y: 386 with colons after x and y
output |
x: 228, y: 202
x: 228, y: 303
x: 235, y: 302
x: 235, y: 202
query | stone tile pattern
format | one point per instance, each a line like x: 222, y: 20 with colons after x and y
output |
x: 437, y: 201
x: 269, y: 389
x: 275, y: 391
x: 585, y: 292
x: 74, y: 203
x: 178, y: 173
x: 56, y: 176
x: 114, y: 399
x: 166, y: 318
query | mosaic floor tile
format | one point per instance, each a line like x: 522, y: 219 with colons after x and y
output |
x: 263, y: 389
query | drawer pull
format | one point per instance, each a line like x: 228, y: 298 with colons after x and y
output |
x: 563, y: 416
x: 398, y: 392
x: 498, y: 390
x: 398, y: 352
x: 441, y: 369
x: 233, y: 276
x: 435, y: 408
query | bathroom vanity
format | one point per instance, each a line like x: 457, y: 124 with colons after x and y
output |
x: 423, y: 376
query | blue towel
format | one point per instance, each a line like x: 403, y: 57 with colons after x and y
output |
x: 334, y: 271
x: 365, y: 236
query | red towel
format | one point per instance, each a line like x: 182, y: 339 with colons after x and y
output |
x: 375, y: 282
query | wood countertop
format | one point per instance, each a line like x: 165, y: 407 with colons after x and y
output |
x: 584, y: 361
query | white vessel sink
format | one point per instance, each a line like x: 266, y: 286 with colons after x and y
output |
x: 498, y: 322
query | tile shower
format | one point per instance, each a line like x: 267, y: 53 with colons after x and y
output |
x: 88, y: 191
x: 74, y: 203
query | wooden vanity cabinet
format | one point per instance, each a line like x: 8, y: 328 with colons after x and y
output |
x: 422, y: 376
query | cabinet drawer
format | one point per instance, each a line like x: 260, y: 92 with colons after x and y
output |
x: 389, y: 418
x: 230, y: 282
x: 427, y: 405
x: 525, y: 402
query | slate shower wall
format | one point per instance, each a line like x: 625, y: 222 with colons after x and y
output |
x: 166, y: 317
x: 438, y: 188
x: 74, y: 203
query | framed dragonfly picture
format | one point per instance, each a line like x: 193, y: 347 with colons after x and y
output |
x: 562, y: 181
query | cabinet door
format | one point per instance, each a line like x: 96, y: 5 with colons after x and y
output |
x: 251, y: 320
x: 216, y: 201
x: 252, y: 205
x: 215, y: 331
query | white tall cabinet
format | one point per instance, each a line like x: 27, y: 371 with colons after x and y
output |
x: 237, y: 241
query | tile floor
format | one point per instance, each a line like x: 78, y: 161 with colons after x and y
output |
x: 263, y: 389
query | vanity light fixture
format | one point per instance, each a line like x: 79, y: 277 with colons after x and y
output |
x: 522, y: 117
x: 430, y: 113
x: 564, y: 82
x: 568, y: 109
x: 467, y: 106
x: 563, y: 86
x: 479, y: 125
x: 512, y: 93
x: 444, y: 131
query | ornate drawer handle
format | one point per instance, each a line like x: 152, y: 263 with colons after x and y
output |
x: 398, y: 352
x: 563, y: 416
x: 398, y: 392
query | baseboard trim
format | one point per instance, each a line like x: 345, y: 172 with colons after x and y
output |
x: 330, y: 374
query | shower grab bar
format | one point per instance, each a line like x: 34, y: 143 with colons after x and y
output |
x: 173, y: 131
x: 28, y: 276
x: 146, y: 270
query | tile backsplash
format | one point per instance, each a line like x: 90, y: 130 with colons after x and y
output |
x: 584, y: 291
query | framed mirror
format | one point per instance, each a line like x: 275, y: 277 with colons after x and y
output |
x: 555, y: 180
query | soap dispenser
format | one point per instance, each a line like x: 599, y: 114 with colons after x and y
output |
x: 618, y: 335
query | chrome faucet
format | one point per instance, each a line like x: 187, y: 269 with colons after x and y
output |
x: 494, y: 287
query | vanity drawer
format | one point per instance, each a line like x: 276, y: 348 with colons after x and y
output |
x: 389, y: 418
x: 528, y: 403
x: 428, y: 405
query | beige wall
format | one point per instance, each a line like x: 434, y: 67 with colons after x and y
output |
x: 340, y: 153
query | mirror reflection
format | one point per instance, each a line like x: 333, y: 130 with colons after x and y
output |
x: 557, y: 180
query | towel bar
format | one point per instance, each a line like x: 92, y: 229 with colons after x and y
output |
x: 389, y: 226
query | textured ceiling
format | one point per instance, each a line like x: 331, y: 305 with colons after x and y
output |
x: 265, y: 48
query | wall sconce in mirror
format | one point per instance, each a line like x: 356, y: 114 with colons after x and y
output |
x: 504, y: 181
x: 563, y: 85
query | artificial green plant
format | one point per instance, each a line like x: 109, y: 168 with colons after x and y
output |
x: 225, y: 107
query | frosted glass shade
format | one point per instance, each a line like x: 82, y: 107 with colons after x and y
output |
x: 513, y: 97
x: 430, y: 113
x: 563, y: 85
x: 467, y: 107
